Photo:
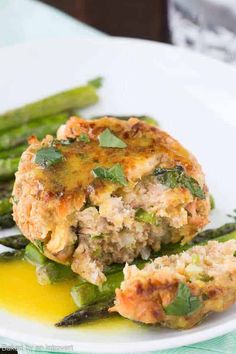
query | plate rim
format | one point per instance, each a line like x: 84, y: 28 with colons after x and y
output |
x: 123, y: 347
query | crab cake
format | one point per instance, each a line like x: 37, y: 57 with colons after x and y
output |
x: 108, y: 191
x: 180, y: 290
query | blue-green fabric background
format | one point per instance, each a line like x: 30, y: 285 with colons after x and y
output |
x: 27, y: 20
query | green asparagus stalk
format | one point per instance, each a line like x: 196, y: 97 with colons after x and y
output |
x: 6, y: 221
x: 143, y: 118
x: 85, y: 294
x: 8, y: 167
x: 213, y: 233
x: 13, y: 152
x: 53, y: 272
x: 87, y: 314
x: 64, y: 101
x: 16, y: 242
x: 11, y: 256
x: 47, y: 271
x: 38, y: 127
x: 6, y: 189
x: 5, y: 206
x: 34, y: 256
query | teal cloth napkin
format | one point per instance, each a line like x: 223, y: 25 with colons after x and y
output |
x: 20, y: 21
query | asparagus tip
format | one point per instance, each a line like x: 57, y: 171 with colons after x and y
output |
x: 97, y: 82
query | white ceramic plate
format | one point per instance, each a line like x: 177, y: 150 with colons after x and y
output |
x: 192, y: 97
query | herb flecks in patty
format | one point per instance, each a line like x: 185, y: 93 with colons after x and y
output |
x: 110, y: 140
x: 176, y: 177
x: 48, y: 156
x: 184, y: 303
x: 114, y: 174
x: 84, y: 137
x: 147, y: 217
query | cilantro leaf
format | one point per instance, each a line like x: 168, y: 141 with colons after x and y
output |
x: 144, y: 216
x: 114, y: 174
x: 176, y: 177
x: 108, y: 139
x: 84, y: 138
x: 184, y: 303
x: 48, y: 156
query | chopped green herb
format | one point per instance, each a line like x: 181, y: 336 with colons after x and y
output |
x: 205, y: 277
x: 184, y: 303
x: 97, y: 252
x: 114, y: 174
x: 143, y: 216
x: 97, y: 83
x: 47, y: 157
x: 196, y: 259
x: 108, y: 139
x: 96, y: 236
x: 176, y: 177
x: 84, y: 138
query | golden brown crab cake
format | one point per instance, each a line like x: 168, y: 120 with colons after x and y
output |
x: 180, y: 290
x: 108, y: 191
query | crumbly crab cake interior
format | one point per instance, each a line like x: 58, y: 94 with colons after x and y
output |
x: 180, y: 290
x: 108, y: 191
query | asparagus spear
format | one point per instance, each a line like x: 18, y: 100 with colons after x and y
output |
x: 47, y: 271
x: 8, y: 167
x: 16, y: 242
x: 213, y: 233
x: 38, y: 127
x: 6, y: 221
x: 34, y: 256
x: 5, y: 206
x: 53, y: 272
x: 74, y: 98
x: 86, y: 294
x: 11, y: 256
x: 13, y: 152
x: 6, y: 189
x: 89, y: 313
x: 144, y: 118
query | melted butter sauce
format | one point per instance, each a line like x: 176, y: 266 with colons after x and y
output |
x: 21, y: 294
